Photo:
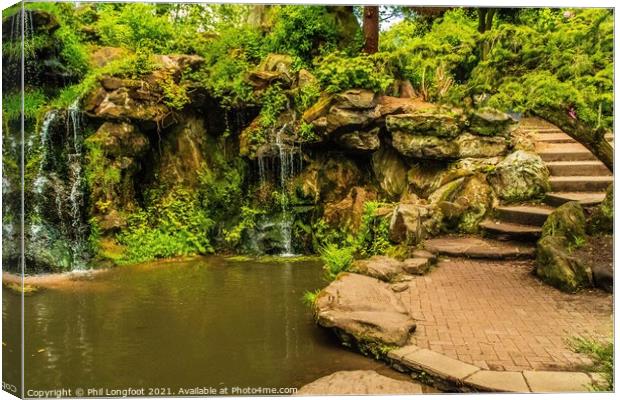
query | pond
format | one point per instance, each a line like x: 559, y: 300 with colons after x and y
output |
x: 207, y: 322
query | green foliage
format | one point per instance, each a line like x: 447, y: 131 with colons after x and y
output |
x: 134, y: 25
x: 247, y: 223
x: 309, y: 297
x: 306, y: 132
x: 337, y: 72
x: 175, y: 95
x: 306, y: 96
x: 552, y: 61
x: 34, y: 100
x: 434, y: 61
x: 373, y: 236
x: 100, y: 175
x: 273, y: 102
x: 171, y: 225
x: 336, y: 260
x: 602, y: 355
x: 302, y: 31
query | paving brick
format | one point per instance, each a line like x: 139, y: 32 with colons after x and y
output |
x: 508, y: 319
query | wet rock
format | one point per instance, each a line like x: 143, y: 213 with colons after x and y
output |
x: 362, y: 141
x: 390, y: 171
x: 519, y: 177
x: 363, y: 309
x: 490, y: 122
x: 567, y: 221
x: 358, y: 383
x: 114, y: 150
x: 380, y: 267
x: 425, y: 122
x: 556, y: 266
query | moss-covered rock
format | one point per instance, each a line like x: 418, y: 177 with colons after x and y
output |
x: 519, y: 177
x: 490, y: 122
x: 360, y: 141
x: 602, y: 218
x: 556, y: 266
x: 433, y: 147
x: 481, y: 147
x: 425, y: 122
x: 566, y: 221
x: 465, y: 207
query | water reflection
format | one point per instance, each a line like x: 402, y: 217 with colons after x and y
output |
x: 207, y: 322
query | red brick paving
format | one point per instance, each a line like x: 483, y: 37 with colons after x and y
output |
x: 497, y: 315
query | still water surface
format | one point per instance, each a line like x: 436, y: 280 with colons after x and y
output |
x: 206, y: 322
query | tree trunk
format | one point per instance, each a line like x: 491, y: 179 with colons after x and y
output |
x: 592, y: 139
x: 371, y: 29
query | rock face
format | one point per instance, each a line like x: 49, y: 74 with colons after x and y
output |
x: 557, y: 267
x: 360, y: 141
x: 390, y: 170
x: 114, y: 152
x: 410, y: 222
x: 520, y: 176
x: 358, y: 383
x: 467, y: 203
x: 361, y: 309
x: 348, y: 211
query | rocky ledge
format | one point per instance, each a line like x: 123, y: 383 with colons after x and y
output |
x: 358, y: 383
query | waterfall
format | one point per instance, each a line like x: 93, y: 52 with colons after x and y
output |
x: 286, y: 156
x: 76, y: 194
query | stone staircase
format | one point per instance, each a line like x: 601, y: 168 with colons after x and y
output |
x: 576, y: 175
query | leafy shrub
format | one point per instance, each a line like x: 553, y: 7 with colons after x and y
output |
x: 171, y: 225
x: 336, y: 260
x: 302, y: 31
x: 373, y: 236
x: 337, y: 72
x: 273, y: 102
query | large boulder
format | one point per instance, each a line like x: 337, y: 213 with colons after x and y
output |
x: 602, y: 218
x: 425, y: 122
x: 556, y: 266
x: 390, y: 171
x: 273, y: 68
x: 490, y: 122
x: 347, y: 383
x: 481, y: 147
x: 519, y: 177
x: 567, y: 221
x: 363, y: 311
x: 464, y: 207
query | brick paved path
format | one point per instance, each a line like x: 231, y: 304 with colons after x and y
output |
x: 498, y: 316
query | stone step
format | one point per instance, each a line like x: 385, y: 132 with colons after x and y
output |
x: 526, y: 215
x: 543, y: 130
x: 556, y: 199
x: 565, y: 152
x: 580, y: 183
x: 560, y: 137
x: 508, y: 231
x: 477, y: 247
x: 577, y: 168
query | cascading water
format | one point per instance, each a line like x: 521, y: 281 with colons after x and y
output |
x: 288, y: 168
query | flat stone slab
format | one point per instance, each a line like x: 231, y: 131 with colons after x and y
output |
x: 358, y: 383
x: 476, y: 247
x: 498, y: 381
x: 557, y: 382
x: 438, y: 364
x: 399, y: 353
